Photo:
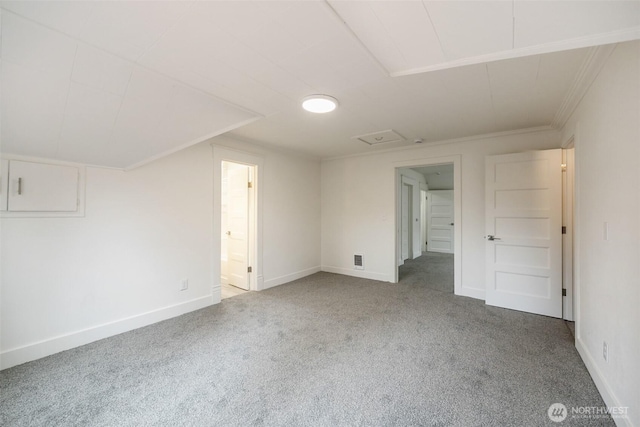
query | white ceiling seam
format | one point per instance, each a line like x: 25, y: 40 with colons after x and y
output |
x: 68, y: 122
x: 459, y: 68
x: 136, y: 63
x: 513, y: 24
x: 578, y: 43
x: 493, y: 107
x: 189, y: 144
x: 66, y: 103
x: 356, y: 38
x: 435, y: 30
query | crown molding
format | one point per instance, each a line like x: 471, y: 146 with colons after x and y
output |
x: 588, y: 72
x: 375, y: 152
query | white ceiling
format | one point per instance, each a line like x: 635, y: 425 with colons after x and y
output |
x: 438, y: 177
x: 120, y: 83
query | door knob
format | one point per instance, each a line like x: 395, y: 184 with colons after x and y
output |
x: 490, y: 237
x: 451, y: 224
x: 228, y: 233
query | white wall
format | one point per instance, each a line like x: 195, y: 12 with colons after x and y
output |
x: 606, y: 126
x: 291, y: 212
x: 358, y: 204
x: 69, y: 281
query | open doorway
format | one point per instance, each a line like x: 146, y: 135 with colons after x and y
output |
x: 237, y: 207
x: 235, y: 231
x: 428, y: 217
x: 427, y: 214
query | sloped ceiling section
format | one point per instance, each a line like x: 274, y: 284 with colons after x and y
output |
x: 119, y: 83
x: 64, y: 98
x: 412, y: 37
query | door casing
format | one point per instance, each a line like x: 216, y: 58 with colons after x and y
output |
x: 220, y: 154
x: 457, y: 197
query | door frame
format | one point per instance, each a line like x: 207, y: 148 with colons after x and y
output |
x: 457, y: 201
x: 568, y: 191
x: 570, y: 218
x: 220, y: 154
x: 411, y: 185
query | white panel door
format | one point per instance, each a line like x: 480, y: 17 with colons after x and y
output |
x: 440, y: 221
x: 524, y: 235
x: 38, y: 187
x: 238, y: 225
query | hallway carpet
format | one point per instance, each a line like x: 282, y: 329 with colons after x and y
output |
x: 325, y: 350
x: 432, y: 269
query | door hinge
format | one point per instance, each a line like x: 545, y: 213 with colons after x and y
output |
x: 250, y: 184
x: 564, y: 229
x: 249, y: 270
x: 564, y: 292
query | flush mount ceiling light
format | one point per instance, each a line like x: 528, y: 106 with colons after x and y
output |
x: 319, y: 103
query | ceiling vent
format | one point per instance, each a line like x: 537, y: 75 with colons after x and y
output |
x: 382, y: 137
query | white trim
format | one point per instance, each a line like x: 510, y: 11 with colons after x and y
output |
x: 27, y: 353
x: 216, y: 294
x: 82, y: 180
x: 417, y: 147
x: 410, y: 182
x: 193, y: 142
x: 609, y: 397
x: 220, y: 154
x: 588, y: 72
x: 619, y: 36
x: 226, y: 140
x: 576, y: 231
x: 467, y: 291
x: 568, y: 196
x: 358, y: 273
x: 457, y: 202
x: 289, y: 278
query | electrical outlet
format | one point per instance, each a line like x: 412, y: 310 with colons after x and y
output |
x: 184, y: 285
x: 605, y: 351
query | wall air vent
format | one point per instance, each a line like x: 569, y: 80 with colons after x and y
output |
x: 382, y: 137
x: 358, y: 262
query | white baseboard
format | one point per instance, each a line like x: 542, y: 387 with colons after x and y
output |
x: 27, y: 353
x: 609, y: 397
x: 216, y: 294
x: 266, y: 284
x: 471, y: 293
x: 363, y: 274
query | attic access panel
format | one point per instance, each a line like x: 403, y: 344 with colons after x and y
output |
x: 382, y: 137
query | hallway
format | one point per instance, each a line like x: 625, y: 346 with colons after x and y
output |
x: 433, y: 270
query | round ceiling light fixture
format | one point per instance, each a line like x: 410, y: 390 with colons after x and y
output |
x: 319, y: 103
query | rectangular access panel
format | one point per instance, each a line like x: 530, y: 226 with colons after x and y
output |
x: 39, y: 187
